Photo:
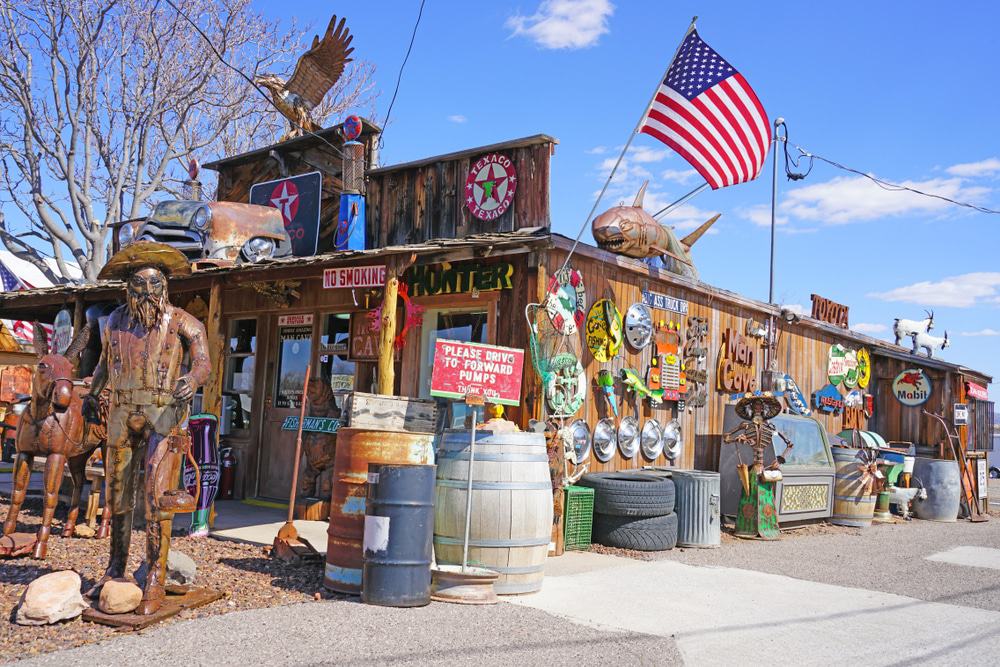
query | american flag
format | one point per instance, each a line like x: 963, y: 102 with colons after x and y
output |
x: 21, y: 329
x: 707, y: 112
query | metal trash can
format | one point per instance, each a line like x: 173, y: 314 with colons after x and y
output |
x: 697, y: 507
x: 942, y: 479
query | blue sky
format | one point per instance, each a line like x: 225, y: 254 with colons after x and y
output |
x: 902, y: 91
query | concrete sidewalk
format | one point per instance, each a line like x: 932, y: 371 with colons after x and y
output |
x: 722, y: 616
x: 256, y: 524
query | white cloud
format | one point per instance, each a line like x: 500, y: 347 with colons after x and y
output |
x: 981, y: 332
x: 986, y: 167
x: 457, y: 118
x: 597, y: 150
x: 564, y: 24
x: 870, y: 328
x: 847, y: 199
x: 645, y: 154
x: 796, y: 308
x: 963, y: 291
x: 681, y: 176
x: 760, y: 215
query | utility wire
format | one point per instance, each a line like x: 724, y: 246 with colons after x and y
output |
x: 263, y: 93
x: 885, y: 185
x: 399, y: 77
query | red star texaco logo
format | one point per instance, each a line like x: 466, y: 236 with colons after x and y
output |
x: 490, y: 186
x: 285, y: 198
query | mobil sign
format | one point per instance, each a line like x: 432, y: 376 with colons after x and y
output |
x: 912, y: 387
x: 461, y: 369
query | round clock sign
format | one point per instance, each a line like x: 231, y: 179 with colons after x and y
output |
x: 490, y: 186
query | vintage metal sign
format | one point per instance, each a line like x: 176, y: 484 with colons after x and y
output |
x: 828, y: 400
x: 62, y: 331
x: 794, y: 397
x: 312, y: 424
x: 837, y: 365
x: 304, y: 319
x: 473, y: 368
x: 832, y: 312
x: 364, y: 339
x: 354, y: 277
x: 604, y: 330
x: 490, y: 186
x: 664, y: 302
x: 432, y: 280
x: 298, y: 199
x: 961, y: 414
x: 977, y: 391
x: 736, y: 372
x: 864, y: 368
x: 912, y: 387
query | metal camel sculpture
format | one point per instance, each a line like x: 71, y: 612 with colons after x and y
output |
x: 53, y: 426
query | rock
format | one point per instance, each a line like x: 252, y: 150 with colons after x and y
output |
x: 119, y: 597
x: 181, y: 569
x: 83, y: 530
x: 51, y: 598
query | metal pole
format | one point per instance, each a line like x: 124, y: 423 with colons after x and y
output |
x: 691, y: 195
x: 468, y: 492
x: 774, y: 200
x: 628, y: 143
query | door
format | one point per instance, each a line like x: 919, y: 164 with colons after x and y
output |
x: 291, y: 352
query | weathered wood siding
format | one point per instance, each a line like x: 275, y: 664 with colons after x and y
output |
x: 413, y: 204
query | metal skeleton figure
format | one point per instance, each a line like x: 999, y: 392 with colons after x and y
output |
x: 757, y: 516
x: 142, y: 363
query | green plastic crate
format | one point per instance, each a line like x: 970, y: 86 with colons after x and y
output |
x: 578, y: 519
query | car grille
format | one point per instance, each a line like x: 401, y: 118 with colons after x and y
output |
x: 187, y: 240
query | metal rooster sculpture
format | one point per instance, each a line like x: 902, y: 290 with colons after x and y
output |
x: 317, y: 71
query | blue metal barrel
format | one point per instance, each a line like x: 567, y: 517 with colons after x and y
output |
x: 399, y: 535
x: 943, y: 483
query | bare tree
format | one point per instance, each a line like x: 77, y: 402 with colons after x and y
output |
x: 102, y: 102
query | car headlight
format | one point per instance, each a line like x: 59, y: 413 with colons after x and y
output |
x: 257, y: 248
x: 201, y: 218
x: 126, y: 234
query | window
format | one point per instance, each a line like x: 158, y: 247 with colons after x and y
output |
x: 333, y: 349
x: 470, y: 326
x: 240, y: 365
x: 294, y: 355
x: 807, y: 436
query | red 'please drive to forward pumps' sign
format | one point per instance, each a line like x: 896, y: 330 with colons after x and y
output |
x: 473, y: 368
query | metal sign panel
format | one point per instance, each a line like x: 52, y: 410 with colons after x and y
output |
x: 298, y: 199
x: 473, y: 368
x: 312, y: 424
x: 961, y: 414
x: 664, y: 302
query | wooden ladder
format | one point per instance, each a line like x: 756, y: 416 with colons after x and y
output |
x: 969, y: 496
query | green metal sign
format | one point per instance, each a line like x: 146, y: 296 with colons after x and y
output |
x: 312, y: 424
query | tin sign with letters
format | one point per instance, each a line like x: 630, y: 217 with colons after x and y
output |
x: 664, y: 302
x: 361, y: 277
x: 489, y: 371
x: 311, y: 424
x: 961, y: 414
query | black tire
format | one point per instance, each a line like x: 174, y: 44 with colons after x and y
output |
x: 658, y: 533
x: 632, y: 494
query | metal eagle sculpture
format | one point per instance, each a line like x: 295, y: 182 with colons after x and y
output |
x: 315, y: 74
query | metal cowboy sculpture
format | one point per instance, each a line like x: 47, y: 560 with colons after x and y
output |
x: 142, y: 363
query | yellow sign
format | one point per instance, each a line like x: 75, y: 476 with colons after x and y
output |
x: 604, y: 330
x: 864, y: 368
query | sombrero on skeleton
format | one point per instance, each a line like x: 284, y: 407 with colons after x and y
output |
x: 769, y: 405
x: 141, y: 254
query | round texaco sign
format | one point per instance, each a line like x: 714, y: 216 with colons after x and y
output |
x: 490, y: 186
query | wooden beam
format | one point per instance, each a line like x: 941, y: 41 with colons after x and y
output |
x: 79, y: 315
x: 212, y: 397
x: 387, y: 331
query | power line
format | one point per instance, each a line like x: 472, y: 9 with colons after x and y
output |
x: 263, y: 93
x: 399, y: 77
x: 885, y: 185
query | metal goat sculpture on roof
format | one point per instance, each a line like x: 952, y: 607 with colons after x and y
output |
x: 317, y: 71
x: 631, y: 231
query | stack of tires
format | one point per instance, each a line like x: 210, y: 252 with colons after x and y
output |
x: 633, y: 510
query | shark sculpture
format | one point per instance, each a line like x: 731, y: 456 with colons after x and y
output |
x: 631, y: 231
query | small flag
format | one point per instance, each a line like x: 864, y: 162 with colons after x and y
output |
x: 707, y: 112
x: 21, y: 329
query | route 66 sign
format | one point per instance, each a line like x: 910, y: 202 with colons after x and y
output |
x: 490, y: 186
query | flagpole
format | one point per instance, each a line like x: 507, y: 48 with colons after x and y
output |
x: 635, y: 131
x: 767, y: 377
x: 691, y: 195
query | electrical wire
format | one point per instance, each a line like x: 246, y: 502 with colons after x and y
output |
x: 399, y: 77
x: 263, y: 93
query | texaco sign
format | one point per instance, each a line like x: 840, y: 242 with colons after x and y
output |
x: 490, y: 186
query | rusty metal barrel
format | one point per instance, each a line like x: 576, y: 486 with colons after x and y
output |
x: 399, y: 532
x: 511, y: 506
x: 853, y: 504
x: 356, y: 448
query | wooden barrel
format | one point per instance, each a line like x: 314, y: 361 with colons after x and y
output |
x: 356, y: 448
x: 853, y: 504
x: 511, y: 506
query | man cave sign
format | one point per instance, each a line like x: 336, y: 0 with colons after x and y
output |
x: 490, y: 186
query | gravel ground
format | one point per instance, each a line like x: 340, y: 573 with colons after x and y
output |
x: 347, y: 632
x: 250, y: 578
x: 886, y: 557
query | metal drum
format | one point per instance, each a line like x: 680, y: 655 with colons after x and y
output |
x: 356, y: 448
x: 399, y: 535
x: 853, y: 504
x: 943, y: 483
x: 697, y: 507
x: 511, y: 506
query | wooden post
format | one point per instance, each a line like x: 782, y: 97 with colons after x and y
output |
x: 79, y: 315
x: 212, y: 397
x: 387, y: 332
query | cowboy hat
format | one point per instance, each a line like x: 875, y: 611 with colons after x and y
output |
x: 766, y: 400
x: 141, y: 254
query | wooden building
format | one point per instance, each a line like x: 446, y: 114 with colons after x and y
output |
x: 473, y: 279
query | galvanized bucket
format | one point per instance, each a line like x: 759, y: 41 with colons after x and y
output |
x: 697, y: 506
x: 943, y: 482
